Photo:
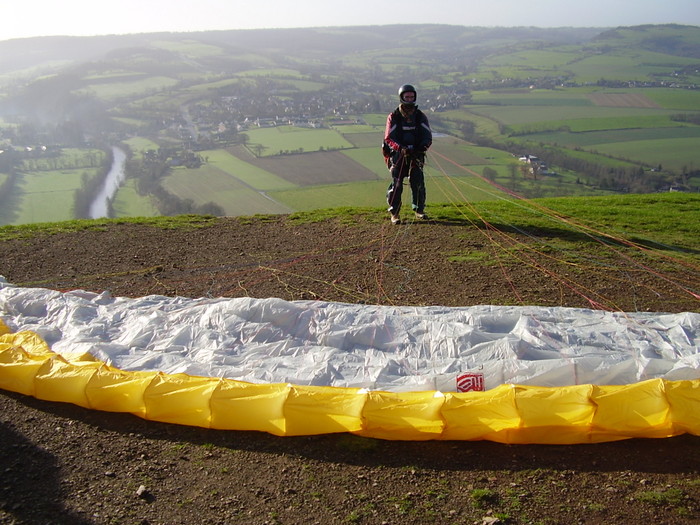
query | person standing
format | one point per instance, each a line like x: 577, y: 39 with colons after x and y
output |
x: 406, y: 139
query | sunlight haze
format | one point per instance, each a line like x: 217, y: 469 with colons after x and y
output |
x: 87, y: 17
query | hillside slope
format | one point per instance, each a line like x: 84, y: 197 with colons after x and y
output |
x: 357, y: 259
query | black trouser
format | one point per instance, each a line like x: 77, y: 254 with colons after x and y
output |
x: 413, y: 169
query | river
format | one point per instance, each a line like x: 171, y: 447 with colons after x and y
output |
x: 114, y: 178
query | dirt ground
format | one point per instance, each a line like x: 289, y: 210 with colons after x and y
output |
x: 64, y: 464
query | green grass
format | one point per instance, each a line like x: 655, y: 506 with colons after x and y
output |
x: 115, y: 90
x: 584, y: 124
x: 667, y: 218
x: 48, y: 228
x: 581, y: 140
x: 532, y: 59
x: 376, y: 119
x: 369, y: 194
x: 279, y: 139
x: 370, y: 158
x: 676, y: 99
x: 46, y: 186
x: 628, y: 64
x: 364, y: 139
x: 532, y: 98
x: 206, y: 86
x: 190, y: 48
x: 669, y: 221
x: 482, y: 497
x: 676, y: 154
x: 662, y: 498
x: 128, y: 203
x: 45, y: 196
x: 134, y: 123
x: 210, y: 184
x: 253, y: 176
x: 578, y: 118
x: 271, y: 72
x: 139, y: 145
x: 600, y: 159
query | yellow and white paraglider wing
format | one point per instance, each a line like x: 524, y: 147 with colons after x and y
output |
x: 534, y: 375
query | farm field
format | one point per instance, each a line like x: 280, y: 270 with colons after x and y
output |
x: 635, y: 125
x: 370, y: 158
x: 326, y: 180
x: 577, y: 117
x: 680, y: 154
x: 245, y: 172
x: 139, y: 145
x: 115, y: 90
x: 43, y: 197
x: 282, y: 139
x: 209, y: 184
x: 592, y: 138
x: 351, y: 177
x: 310, y: 169
x: 243, y: 183
x: 128, y: 203
x: 46, y: 187
x: 627, y: 63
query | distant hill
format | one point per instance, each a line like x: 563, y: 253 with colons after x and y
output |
x: 669, y: 39
x: 59, y: 51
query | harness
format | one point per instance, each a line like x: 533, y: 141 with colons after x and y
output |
x: 403, y: 126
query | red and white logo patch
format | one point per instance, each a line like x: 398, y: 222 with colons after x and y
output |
x: 470, y: 382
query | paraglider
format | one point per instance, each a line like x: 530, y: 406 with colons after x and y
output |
x: 508, y: 374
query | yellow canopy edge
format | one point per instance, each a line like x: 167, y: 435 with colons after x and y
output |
x: 506, y: 414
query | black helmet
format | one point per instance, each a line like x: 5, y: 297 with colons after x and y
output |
x: 407, y: 88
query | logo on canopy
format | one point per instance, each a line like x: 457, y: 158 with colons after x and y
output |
x: 470, y: 382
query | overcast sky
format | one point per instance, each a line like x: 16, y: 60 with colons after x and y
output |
x: 93, y: 17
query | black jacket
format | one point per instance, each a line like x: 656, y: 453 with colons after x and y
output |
x: 407, y: 130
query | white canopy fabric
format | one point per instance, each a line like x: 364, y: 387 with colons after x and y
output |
x: 374, y: 347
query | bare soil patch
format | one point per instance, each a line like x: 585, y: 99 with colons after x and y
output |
x: 315, y: 168
x: 64, y: 464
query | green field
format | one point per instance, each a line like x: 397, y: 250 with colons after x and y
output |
x: 676, y: 99
x: 280, y: 139
x: 245, y: 172
x: 537, y: 60
x: 371, y: 158
x: 47, y: 184
x: 128, y: 203
x: 139, y: 145
x: 593, y: 138
x: 629, y: 65
x: 209, y: 184
x: 368, y: 139
x: 680, y: 154
x: 578, y: 117
x: 450, y: 189
x: 190, y: 48
x: 43, y: 197
x: 116, y: 90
